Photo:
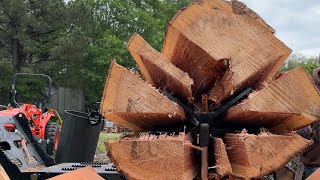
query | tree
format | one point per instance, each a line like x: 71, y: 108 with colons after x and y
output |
x: 29, y: 29
x: 299, y: 60
x: 115, y: 21
x: 75, y: 41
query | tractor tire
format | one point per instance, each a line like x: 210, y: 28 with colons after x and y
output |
x: 52, y: 133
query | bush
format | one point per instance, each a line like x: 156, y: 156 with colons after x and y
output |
x: 299, y: 60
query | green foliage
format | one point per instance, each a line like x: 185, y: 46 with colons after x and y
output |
x: 5, y: 81
x: 75, y: 41
x: 298, y: 60
x: 115, y: 22
x: 105, y: 137
x: 29, y: 29
x: 31, y: 89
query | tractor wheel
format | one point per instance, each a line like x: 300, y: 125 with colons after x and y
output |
x: 52, y: 133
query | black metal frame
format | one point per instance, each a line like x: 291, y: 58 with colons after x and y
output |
x: 196, y: 118
x: 13, y: 157
x: 105, y: 170
x: 206, y: 124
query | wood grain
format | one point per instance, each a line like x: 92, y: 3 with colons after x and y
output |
x: 159, y: 71
x: 289, y: 103
x: 154, y: 157
x: 253, y: 156
x: 131, y: 102
x: 221, y: 160
x: 3, y: 174
x: 222, y: 50
x: 86, y: 173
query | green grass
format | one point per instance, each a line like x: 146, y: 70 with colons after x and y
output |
x: 104, y: 137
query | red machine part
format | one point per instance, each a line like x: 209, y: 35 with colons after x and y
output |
x: 37, y: 119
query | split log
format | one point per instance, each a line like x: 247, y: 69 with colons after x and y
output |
x: 154, y: 157
x: 253, y: 156
x: 222, y: 50
x: 3, y: 174
x: 221, y: 160
x: 86, y: 173
x: 315, y: 175
x: 289, y: 103
x: 131, y: 102
x: 158, y: 71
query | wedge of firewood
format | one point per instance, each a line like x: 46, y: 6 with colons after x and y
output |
x: 253, y: 156
x: 131, y: 102
x: 289, y: 103
x: 158, y: 71
x: 154, y: 157
x: 221, y: 161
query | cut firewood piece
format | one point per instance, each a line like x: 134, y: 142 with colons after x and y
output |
x: 131, y: 102
x: 221, y: 160
x: 86, y: 173
x: 289, y: 103
x: 154, y: 157
x: 222, y: 51
x: 253, y: 156
x: 158, y: 70
x: 3, y: 174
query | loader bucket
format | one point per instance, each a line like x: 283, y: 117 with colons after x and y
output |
x: 78, y: 138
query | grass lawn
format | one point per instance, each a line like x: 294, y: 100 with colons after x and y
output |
x: 106, y: 137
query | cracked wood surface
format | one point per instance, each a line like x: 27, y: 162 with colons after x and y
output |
x: 131, y: 102
x: 253, y: 156
x: 222, y: 51
x: 154, y: 157
x: 289, y: 103
x: 159, y: 71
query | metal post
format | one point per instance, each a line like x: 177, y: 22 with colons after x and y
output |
x: 204, y: 163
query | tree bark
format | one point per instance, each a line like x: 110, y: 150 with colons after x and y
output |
x: 15, y: 54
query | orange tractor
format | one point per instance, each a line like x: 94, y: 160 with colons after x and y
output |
x: 39, y: 117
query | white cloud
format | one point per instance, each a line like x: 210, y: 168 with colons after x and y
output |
x: 297, y: 22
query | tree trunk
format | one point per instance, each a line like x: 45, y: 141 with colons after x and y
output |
x: 224, y: 48
x: 15, y: 54
x: 221, y: 50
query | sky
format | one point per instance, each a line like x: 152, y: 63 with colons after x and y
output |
x: 297, y: 22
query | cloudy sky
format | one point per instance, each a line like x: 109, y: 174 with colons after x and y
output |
x: 297, y: 22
